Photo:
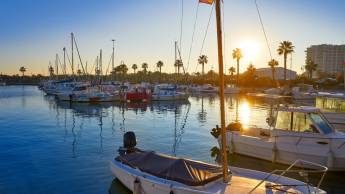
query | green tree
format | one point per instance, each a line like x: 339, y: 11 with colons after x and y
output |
x: 144, y: 66
x: 159, y: 65
x: 134, y: 67
x: 202, y: 60
x: 22, y: 70
x: 285, y: 48
x: 178, y: 64
x: 273, y: 64
x: 237, y: 54
x: 310, y: 67
x: 123, y: 68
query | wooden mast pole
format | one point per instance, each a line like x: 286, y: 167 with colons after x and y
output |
x: 221, y: 92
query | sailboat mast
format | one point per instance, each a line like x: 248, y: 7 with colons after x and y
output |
x: 64, y: 60
x: 221, y: 91
x: 72, y: 53
x: 112, y: 62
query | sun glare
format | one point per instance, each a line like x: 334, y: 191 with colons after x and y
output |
x: 244, y: 113
x: 250, y: 50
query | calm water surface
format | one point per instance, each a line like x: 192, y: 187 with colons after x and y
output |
x: 56, y: 147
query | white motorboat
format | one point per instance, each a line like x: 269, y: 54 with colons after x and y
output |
x: 303, y: 92
x: 154, y: 173
x: 208, y: 88
x: 167, y: 92
x: 294, y: 133
x: 96, y: 95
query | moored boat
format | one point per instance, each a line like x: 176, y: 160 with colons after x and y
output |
x: 167, y: 92
x: 294, y: 133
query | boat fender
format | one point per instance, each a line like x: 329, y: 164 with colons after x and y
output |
x: 330, y: 159
x: 136, y: 186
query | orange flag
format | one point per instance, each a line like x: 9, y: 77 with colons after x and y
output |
x: 206, y: 1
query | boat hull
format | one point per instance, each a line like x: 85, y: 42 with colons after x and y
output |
x: 288, y: 150
x: 242, y: 181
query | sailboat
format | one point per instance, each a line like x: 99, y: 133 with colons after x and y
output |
x: 154, y: 173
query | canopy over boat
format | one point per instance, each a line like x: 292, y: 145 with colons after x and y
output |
x: 188, y: 172
x: 304, y: 109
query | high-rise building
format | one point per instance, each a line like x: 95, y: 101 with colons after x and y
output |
x: 329, y: 58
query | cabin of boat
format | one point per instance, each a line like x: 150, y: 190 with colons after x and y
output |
x: 294, y: 133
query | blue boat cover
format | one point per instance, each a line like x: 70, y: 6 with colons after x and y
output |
x: 185, y: 171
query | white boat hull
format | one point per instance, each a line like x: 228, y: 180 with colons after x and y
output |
x: 242, y: 181
x: 286, y: 150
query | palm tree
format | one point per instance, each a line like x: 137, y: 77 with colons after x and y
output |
x: 202, y: 61
x: 237, y: 54
x: 284, y: 49
x: 178, y: 64
x: 232, y: 70
x: 273, y: 63
x: 134, y: 67
x: 79, y: 72
x: 159, y: 65
x: 251, y: 71
x: 310, y: 67
x: 22, y: 69
x: 144, y: 66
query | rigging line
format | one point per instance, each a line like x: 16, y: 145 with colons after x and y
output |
x: 69, y: 61
x: 76, y: 46
x: 263, y: 28
x: 181, y: 27
x: 203, y: 41
x: 58, y: 59
x: 191, y: 44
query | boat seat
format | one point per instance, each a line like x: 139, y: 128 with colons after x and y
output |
x: 185, y: 171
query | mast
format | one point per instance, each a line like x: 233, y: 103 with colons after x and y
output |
x: 113, y: 56
x: 175, y: 55
x: 221, y: 92
x: 57, y: 66
x: 64, y: 60
x: 72, y: 37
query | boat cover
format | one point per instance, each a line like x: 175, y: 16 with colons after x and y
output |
x: 188, y: 172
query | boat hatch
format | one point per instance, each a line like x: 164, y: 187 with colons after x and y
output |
x: 312, y: 122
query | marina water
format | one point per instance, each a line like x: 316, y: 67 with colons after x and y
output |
x: 60, y: 147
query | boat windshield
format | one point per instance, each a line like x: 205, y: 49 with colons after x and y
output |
x: 321, y: 123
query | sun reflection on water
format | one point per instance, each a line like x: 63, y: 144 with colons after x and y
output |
x: 244, y: 114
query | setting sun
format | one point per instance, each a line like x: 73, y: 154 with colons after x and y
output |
x: 250, y: 50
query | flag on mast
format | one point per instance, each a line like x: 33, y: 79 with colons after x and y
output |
x: 206, y: 1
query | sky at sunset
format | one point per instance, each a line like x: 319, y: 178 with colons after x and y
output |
x: 33, y: 31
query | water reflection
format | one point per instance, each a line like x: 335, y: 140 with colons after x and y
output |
x: 245, y: 114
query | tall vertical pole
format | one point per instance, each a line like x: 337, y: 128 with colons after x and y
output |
x: 344, y: 73
x: 113, y: 56
x: 175, y: 54
x: 57, y: 66
x: 72, y: 38
x: 221, y: 92
x: 64, y: 60
x: 100, y: 62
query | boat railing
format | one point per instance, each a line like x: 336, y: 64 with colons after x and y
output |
x: 302, y: 172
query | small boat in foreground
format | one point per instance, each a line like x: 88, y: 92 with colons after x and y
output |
x: 155, y: 173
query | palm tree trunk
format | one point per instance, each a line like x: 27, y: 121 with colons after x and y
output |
x: 160, y: 69
x: 238, y: 71
x: 203, y: 72
x: 273, y: 76
x: 285, y: 56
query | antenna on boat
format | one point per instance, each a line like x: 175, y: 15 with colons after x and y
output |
x: 221, y: 92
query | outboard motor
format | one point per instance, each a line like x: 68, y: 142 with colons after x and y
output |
x: 129, y: 143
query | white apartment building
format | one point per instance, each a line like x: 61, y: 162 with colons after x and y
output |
x: 329, y: 58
